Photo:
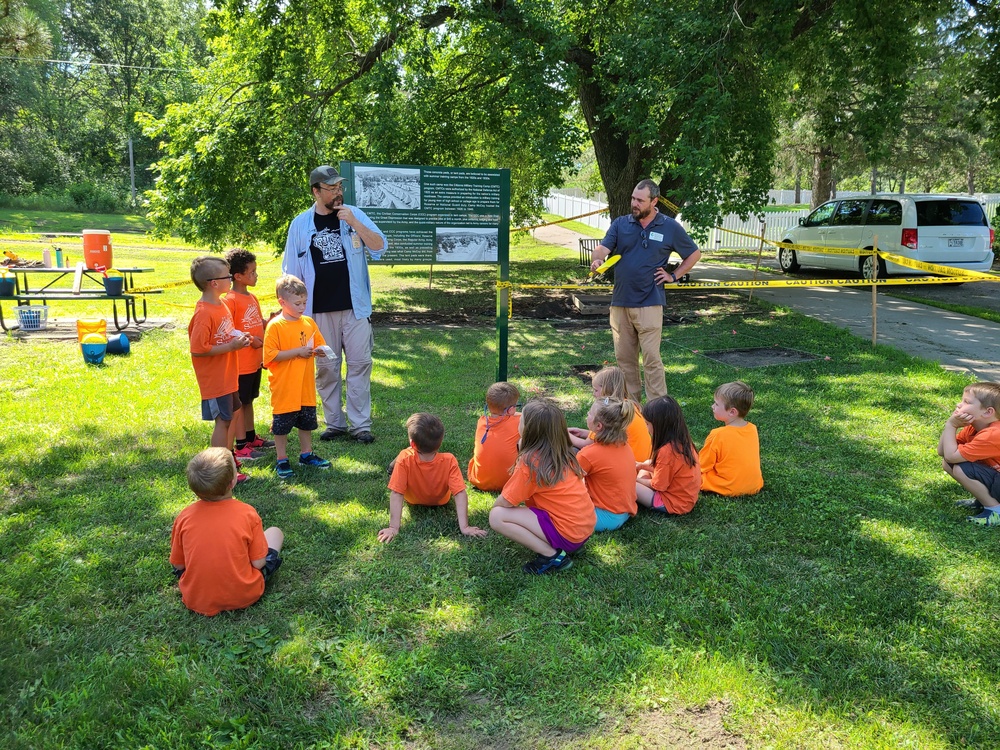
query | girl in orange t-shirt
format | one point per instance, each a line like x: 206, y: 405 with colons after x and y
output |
x: 559, y: 515
x: 671, y: 481
x: 610, y: 383
x: 609, y: 463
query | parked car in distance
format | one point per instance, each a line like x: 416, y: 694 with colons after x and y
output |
x: 948, y: 230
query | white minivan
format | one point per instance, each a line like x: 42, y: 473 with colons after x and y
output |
x: 948, y: 230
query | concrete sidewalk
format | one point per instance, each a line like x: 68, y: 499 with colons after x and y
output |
x: 958, y: 342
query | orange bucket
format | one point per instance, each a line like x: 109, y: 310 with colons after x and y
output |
x: 87, y: 327
x: 97, y: 248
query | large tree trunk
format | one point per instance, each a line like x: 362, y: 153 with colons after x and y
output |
x: 822, y: 176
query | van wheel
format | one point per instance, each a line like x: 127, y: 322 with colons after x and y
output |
x: 867, y: 264
x: 787, y: 260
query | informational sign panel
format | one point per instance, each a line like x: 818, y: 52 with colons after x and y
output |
x: 434, y: 214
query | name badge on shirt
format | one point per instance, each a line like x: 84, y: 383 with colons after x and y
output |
x: 355, y: 241
x: 656, y: 236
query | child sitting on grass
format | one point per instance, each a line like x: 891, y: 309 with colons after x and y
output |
x: 559, y: 517
x: 423, y: 476
x: 219, y: 548
x: 213, y: 348
x: 730, y: 458
x: 247, y: 318
x: 609, y: 463
x: 610, y: 383
x: 671, y: 481
x: 970, y: 447
x: 495, y: 449
x: 290, y: 342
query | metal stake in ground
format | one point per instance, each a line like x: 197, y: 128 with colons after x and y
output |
x: 874, y: 289
x: 760, y: 251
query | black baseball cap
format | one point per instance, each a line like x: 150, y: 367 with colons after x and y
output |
x: 325, y: 174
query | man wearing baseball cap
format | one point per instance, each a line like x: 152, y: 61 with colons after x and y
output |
x: 326, y: 248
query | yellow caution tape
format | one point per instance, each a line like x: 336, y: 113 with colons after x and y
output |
x: 920, y: 265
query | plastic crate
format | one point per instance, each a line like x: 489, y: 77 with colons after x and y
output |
x: 32, y: 317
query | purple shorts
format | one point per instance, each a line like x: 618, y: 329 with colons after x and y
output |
x: 553, y: 537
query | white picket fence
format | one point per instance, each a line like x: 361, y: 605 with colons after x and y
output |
x: 568, y: 203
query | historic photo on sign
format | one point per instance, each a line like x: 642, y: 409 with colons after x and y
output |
x: 466, y: 245
x: 381, y: 187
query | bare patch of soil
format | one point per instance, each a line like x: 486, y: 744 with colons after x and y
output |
x: 687, y: 728
x: 760, y: 356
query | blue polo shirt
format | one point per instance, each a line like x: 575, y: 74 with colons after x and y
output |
x: 643, y: 251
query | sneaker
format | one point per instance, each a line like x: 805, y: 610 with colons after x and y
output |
x: 542, y: 564
x: 284, y: 469
x: 971, y: 503
x: 333, y: 433
x: 364, y: 437
x: 246, y: 453
x: 258, y: 442
x: 311, y: 459
x: 986, y: 518
x: 241, y: 478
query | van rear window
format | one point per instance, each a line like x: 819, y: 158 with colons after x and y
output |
x: 950, y: 214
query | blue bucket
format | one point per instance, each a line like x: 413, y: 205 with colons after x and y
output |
x: 93, y: 354
x: 118, y: 344
x: 6, y: 287
x: 113, y: 285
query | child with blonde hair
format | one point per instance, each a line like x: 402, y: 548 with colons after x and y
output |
x: 559, y: 516
x: 609, y: 463
x: 670, y: 482
x: 495, y: 448
x: 970, y: 447
x: 730, y: 458
x: 610, y: 383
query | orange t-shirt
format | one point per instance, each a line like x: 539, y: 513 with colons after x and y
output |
x: 610, y: 476
x: 216, y: 541
x: 638, y: 437
x: 730, y: 461
x: 210, y: 326
x: 292, y: 381
x: 426, y: 482
x: 677, y: 483
x: 567, y: 502
x: 247, y: 318
x: 982, y: 447
x: 494, y: 452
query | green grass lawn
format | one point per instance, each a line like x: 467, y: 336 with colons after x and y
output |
x: 847, y: 605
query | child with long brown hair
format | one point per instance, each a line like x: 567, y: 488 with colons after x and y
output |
x: 610, y: 383
x: 559, y: 515
x: 609, y: 463
x: 670, y: 482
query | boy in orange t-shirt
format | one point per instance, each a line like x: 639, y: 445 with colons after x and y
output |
x: 495, y: 448
x: 730, y: 458
x: 423, y: 476
x: 219, y: 548
x: 290, y: 343
x: 247, y: 318
x: 214, y: 346
x: 970, y: 447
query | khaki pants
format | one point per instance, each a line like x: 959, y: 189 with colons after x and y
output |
x: 353, y: 339
x: 634, y: 329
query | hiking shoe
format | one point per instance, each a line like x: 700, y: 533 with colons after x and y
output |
x: 258, y: 442
x: 333, y: 433
x: 364, y: 437
x: 283, y: 469
x: 246, y: 453
x: 986, y: 518
x: 311, y: 459
x: 971, y: 503
x: 542, y: 564
x: 241, y: 478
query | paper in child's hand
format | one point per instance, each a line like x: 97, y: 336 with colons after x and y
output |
x: 326, y: 351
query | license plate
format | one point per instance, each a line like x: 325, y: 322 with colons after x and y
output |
x: 955, y: 242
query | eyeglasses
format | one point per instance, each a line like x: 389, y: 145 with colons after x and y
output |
x: 222, y: 278
x: 338, y: 188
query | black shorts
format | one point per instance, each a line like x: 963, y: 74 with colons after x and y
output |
x: 223, y: 407
x: 271, y: 563
x: 989, y: 477
x: 303, y: 419
x: 249, y: 387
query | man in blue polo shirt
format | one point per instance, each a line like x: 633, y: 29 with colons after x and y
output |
x: 644, y: 240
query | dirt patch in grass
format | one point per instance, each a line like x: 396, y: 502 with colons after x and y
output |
x: 687, y: 728
x: 760, y: 356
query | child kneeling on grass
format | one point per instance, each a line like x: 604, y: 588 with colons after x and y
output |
x: 970, y: 447
x: 670, y: 482
x: 730, y: 458
x: 423, y: 476
x: 290, y: 343
x: 495, y: 448
x: 609, y: 463
x: 219, y: 548
x: 559, y: 517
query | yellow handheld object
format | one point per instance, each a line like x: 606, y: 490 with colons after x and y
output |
x: 605, y: 265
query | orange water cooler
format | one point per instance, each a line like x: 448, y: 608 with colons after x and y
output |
x: 97, y: 248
